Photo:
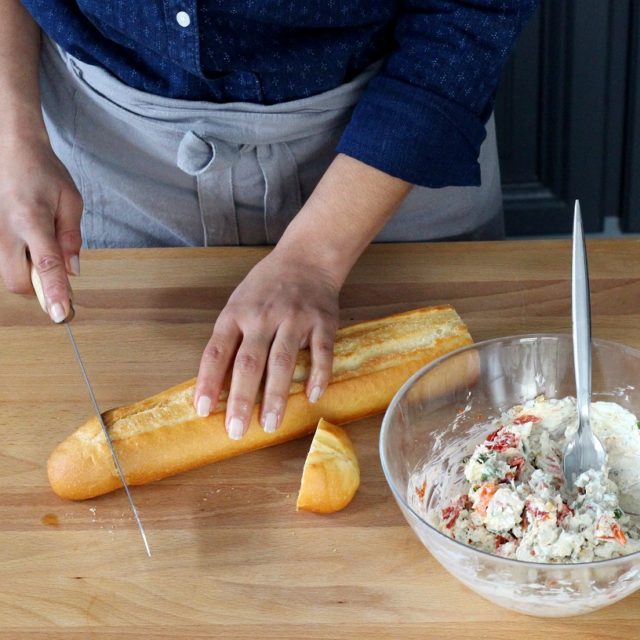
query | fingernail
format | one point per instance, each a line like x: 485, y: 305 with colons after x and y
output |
x: 235, y: 428
x: 203, y: 407
x: 57, y: 312
x: 314, y: 396
x: 74, y: 262
x: 270, y: 422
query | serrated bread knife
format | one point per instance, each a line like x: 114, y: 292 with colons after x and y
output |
x: 37, y: 287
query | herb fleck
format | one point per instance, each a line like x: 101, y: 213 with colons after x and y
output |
x: 617, y: 514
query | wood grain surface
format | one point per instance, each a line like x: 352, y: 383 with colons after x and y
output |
x: 232, y: 558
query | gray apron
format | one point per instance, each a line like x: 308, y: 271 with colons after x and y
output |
x: 157, y: 171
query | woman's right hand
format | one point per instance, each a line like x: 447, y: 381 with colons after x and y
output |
x: 40, y: 211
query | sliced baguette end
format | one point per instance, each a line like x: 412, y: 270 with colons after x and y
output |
x: 331, y: 474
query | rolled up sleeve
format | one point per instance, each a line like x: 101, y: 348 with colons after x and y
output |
x: 422, y: 116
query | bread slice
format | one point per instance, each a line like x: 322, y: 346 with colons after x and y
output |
x: 162, y: 435
x: 331, y: 475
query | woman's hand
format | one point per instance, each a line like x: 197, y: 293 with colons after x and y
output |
x: 40, y: 207
x: 40, y: 210
x: 284, y: 304
x: 289, y: 300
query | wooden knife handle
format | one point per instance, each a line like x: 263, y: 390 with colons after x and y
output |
x: 37, y: 287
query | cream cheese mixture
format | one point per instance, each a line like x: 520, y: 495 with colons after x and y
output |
x: 517, y: 505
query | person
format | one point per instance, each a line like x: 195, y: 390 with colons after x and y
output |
x: 314, y: 127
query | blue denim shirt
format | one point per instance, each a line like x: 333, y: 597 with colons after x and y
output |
x: 422, y: 116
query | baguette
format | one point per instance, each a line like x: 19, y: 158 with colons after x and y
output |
x: 162, y: 435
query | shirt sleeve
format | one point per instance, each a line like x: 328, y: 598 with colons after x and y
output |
x: 422, y: 116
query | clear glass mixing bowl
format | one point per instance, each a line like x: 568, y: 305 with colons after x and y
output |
x: 432, y: 424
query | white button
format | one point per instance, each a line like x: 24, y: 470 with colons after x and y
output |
x: 183, y: 19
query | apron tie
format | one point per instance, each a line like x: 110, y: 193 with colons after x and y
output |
x: 211, y: 161
x: 282, y: 197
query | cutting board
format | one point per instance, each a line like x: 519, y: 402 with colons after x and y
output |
x: 231, y: 556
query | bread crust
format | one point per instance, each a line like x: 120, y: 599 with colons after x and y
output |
x: 161, y: 436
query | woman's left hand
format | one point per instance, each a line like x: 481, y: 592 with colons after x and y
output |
x: 284, y: 304
x: 289, y: 300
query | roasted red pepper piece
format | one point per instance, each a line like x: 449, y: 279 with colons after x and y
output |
x: 564, y: 512
x: 526, y: 418
x: 450, y: 514
x: 502, y: 440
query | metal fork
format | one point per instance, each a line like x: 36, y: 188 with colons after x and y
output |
x: 584, y: 451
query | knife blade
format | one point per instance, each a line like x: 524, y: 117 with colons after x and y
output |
x: 37, y: 287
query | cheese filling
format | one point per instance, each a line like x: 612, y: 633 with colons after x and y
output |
x: 517, y: 505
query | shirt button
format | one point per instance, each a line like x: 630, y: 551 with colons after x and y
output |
x: 183, y: 19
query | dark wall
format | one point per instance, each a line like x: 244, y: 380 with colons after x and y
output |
x: 568, y: 118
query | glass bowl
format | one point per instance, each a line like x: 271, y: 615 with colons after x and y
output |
x: 432, y: 424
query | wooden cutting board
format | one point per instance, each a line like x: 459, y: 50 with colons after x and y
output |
x: 232, y: 558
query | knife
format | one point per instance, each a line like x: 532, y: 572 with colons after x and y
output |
x: 37, y: 287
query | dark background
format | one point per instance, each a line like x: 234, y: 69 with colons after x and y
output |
x: 568, y: 118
